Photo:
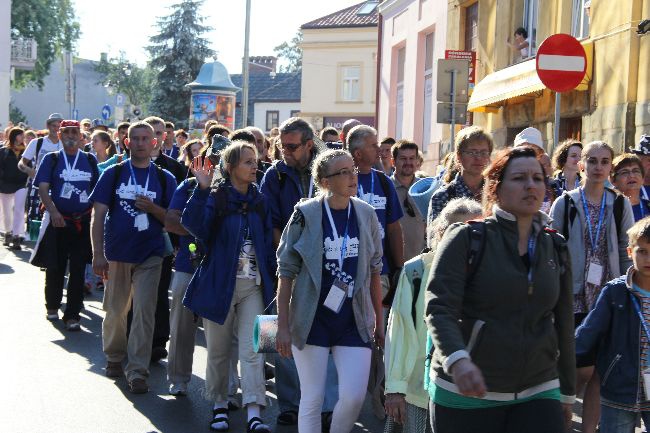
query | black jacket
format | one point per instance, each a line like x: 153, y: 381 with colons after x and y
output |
x: 174, y: 167
x: 11, y: 179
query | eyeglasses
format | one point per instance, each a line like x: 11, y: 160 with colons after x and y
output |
x: 476, y: 153
x: 633, y: 172
x: 345, y: 172
x: 291, y: 147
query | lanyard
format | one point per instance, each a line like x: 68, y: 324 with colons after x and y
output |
x: 311, y: 187
x: 637, y: 307
x: 67, y: 164
x: 372, y: 189
x: 344, y: 243
x: 600, y: 220
x: 171, y: 151
x: 532, y: 243
x: 135, y: 182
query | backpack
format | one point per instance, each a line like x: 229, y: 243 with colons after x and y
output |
x: 570, y: 212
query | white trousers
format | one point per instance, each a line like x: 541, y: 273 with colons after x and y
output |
x: 353, y: 367
x: 13, y: 212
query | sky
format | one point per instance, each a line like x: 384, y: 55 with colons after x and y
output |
x: 126, y: 25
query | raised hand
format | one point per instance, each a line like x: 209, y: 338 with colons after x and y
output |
x: 203, y: 171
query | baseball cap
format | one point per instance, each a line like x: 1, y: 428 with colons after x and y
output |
x: 54, y: 117
x: 97, y: 123
x: 529, y: 136
x: 69, y: 124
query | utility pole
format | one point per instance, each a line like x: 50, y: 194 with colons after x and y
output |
x: 244, y: 95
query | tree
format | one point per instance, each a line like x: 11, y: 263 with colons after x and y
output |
x: 52, y: 23
x: 15, y: 115
x: 177, y: 54
x: 291, y: 53
x: 127, y: 78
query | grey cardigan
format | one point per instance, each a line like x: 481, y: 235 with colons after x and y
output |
x: 300, y: 258
x: 616, y: 245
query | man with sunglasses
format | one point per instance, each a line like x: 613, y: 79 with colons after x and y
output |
x: 472, y: 154
x: 405, y: 156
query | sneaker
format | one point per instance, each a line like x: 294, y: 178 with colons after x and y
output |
x: 52, y: 315
x: 16, y: 243
x: 6, y: 239
x: 114, y: 369
x: 158, y: 353
x: 72, y: 325
x: 178, y: 389
x: 138, y: 386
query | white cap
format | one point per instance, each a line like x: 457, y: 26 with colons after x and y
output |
x: 529, y: 136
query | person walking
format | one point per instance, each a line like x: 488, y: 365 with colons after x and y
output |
x: 627, y: 177
x: 13, y: 190
x: 234, y: 282
x: 565, y: 162
x: 499, y: 310
x: 329, y: 296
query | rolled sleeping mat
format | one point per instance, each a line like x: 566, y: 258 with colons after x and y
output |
x: 421, y: 192
x: 265, y: 330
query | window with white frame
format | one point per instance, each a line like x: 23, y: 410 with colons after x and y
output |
x: 580, y: 20
x: 399, y: 106
x: 531, y: 11
x: 272, y: 119
x: 351, y: 83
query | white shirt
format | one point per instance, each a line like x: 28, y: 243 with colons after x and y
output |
x: 46, y: 148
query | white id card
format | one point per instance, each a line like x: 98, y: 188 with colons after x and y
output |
x: 336, y: 296
x: 66, y: 190
x: 141, y: 222
x: 83, y: 197
x: 594, y: 273
x: 646, y: 382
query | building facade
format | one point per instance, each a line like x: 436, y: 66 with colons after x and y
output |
x: 412, y: 38
x: 611, y: 104
x: 339, y: 71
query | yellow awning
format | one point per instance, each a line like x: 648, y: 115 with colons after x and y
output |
x: 515, y: 81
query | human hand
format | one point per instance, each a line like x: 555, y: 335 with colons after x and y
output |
x: 144, y: 203
x: 203, y: 171
x: 395, y: 407
x: 468, y: 378
x: 57, y: 219
x: 100, y: 265
x: 283, y: 341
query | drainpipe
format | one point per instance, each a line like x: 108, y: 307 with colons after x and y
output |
x: 378, y: 79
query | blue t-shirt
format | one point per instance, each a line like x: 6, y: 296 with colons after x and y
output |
x: 387, y: 206
x: 179, y: 199
x: 641, y: 210
x: 78, y: 178
x: 172, y: 153
x: 329, y: 328
x: 123, y: 240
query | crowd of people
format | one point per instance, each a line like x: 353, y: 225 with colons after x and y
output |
x: 482, y: 297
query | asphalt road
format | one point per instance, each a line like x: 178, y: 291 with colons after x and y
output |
x: 54, y: 380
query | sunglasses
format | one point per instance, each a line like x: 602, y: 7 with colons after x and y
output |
x: 290, y: 147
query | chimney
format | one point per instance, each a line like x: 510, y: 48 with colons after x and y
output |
x: 262, y: 64
x: 103, y: 57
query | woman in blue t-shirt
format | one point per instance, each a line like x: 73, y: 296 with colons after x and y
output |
x: 233, y: 282
x: 329, y: 298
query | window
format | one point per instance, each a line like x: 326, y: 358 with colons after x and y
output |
x: 272, y: 119
x: 399, y: 106
x: 531, y: 10
x: 580, y: 20
x: 351, y: 76
x: 471, y: 27
x: 294, y: 113
x: 428, y: 91
x: 368, y: 8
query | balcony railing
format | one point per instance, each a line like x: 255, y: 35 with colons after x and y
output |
x: 23, y: 53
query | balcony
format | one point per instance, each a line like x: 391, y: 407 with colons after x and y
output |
x: 23, y: 53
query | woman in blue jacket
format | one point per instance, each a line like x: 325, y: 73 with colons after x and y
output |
x: 233, y: 282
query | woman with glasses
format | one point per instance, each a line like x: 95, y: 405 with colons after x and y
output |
x: 627, y: 176
x: 329, y: 298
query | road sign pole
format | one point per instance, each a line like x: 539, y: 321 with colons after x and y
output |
x: 556, y: 127
x: 453, y: 108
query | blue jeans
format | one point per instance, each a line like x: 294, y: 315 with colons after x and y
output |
x: 620, y: 421
x: 287, y: 385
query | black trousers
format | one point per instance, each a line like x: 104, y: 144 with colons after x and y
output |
x: 72, y: 247
x: 534, y: 416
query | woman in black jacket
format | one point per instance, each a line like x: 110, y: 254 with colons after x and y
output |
x: 12, y: 189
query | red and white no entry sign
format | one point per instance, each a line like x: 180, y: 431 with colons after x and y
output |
x: 561, y: 62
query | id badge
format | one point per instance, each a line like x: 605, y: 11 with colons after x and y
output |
x: 243, y: 268
x: 66, y: 190
x: 646, y: 383
x: 141, y: 222
x: 83, y: 197
x: 336, y: 296
x: 595, y: 273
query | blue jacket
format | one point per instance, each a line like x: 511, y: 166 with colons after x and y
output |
x: 612, y: 332
x: 209, y: 293
x: 281, y: 186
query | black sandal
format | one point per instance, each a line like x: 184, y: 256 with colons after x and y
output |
x: 220, y: 415
x: 256, y: 425
x: 288, y: 417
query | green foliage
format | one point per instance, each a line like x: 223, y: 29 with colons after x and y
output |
x: 15, y: 115
x: 177, y: 54
x: 52, y: 23
x: 291, y: 53
x: 127, y: 78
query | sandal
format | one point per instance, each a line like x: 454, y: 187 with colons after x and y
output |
x: 219, y: 416
x: 288, y: 417
x: 256, y: 425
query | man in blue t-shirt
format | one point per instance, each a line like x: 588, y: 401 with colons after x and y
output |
x: 129, y: 206
x: 65, y: 179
